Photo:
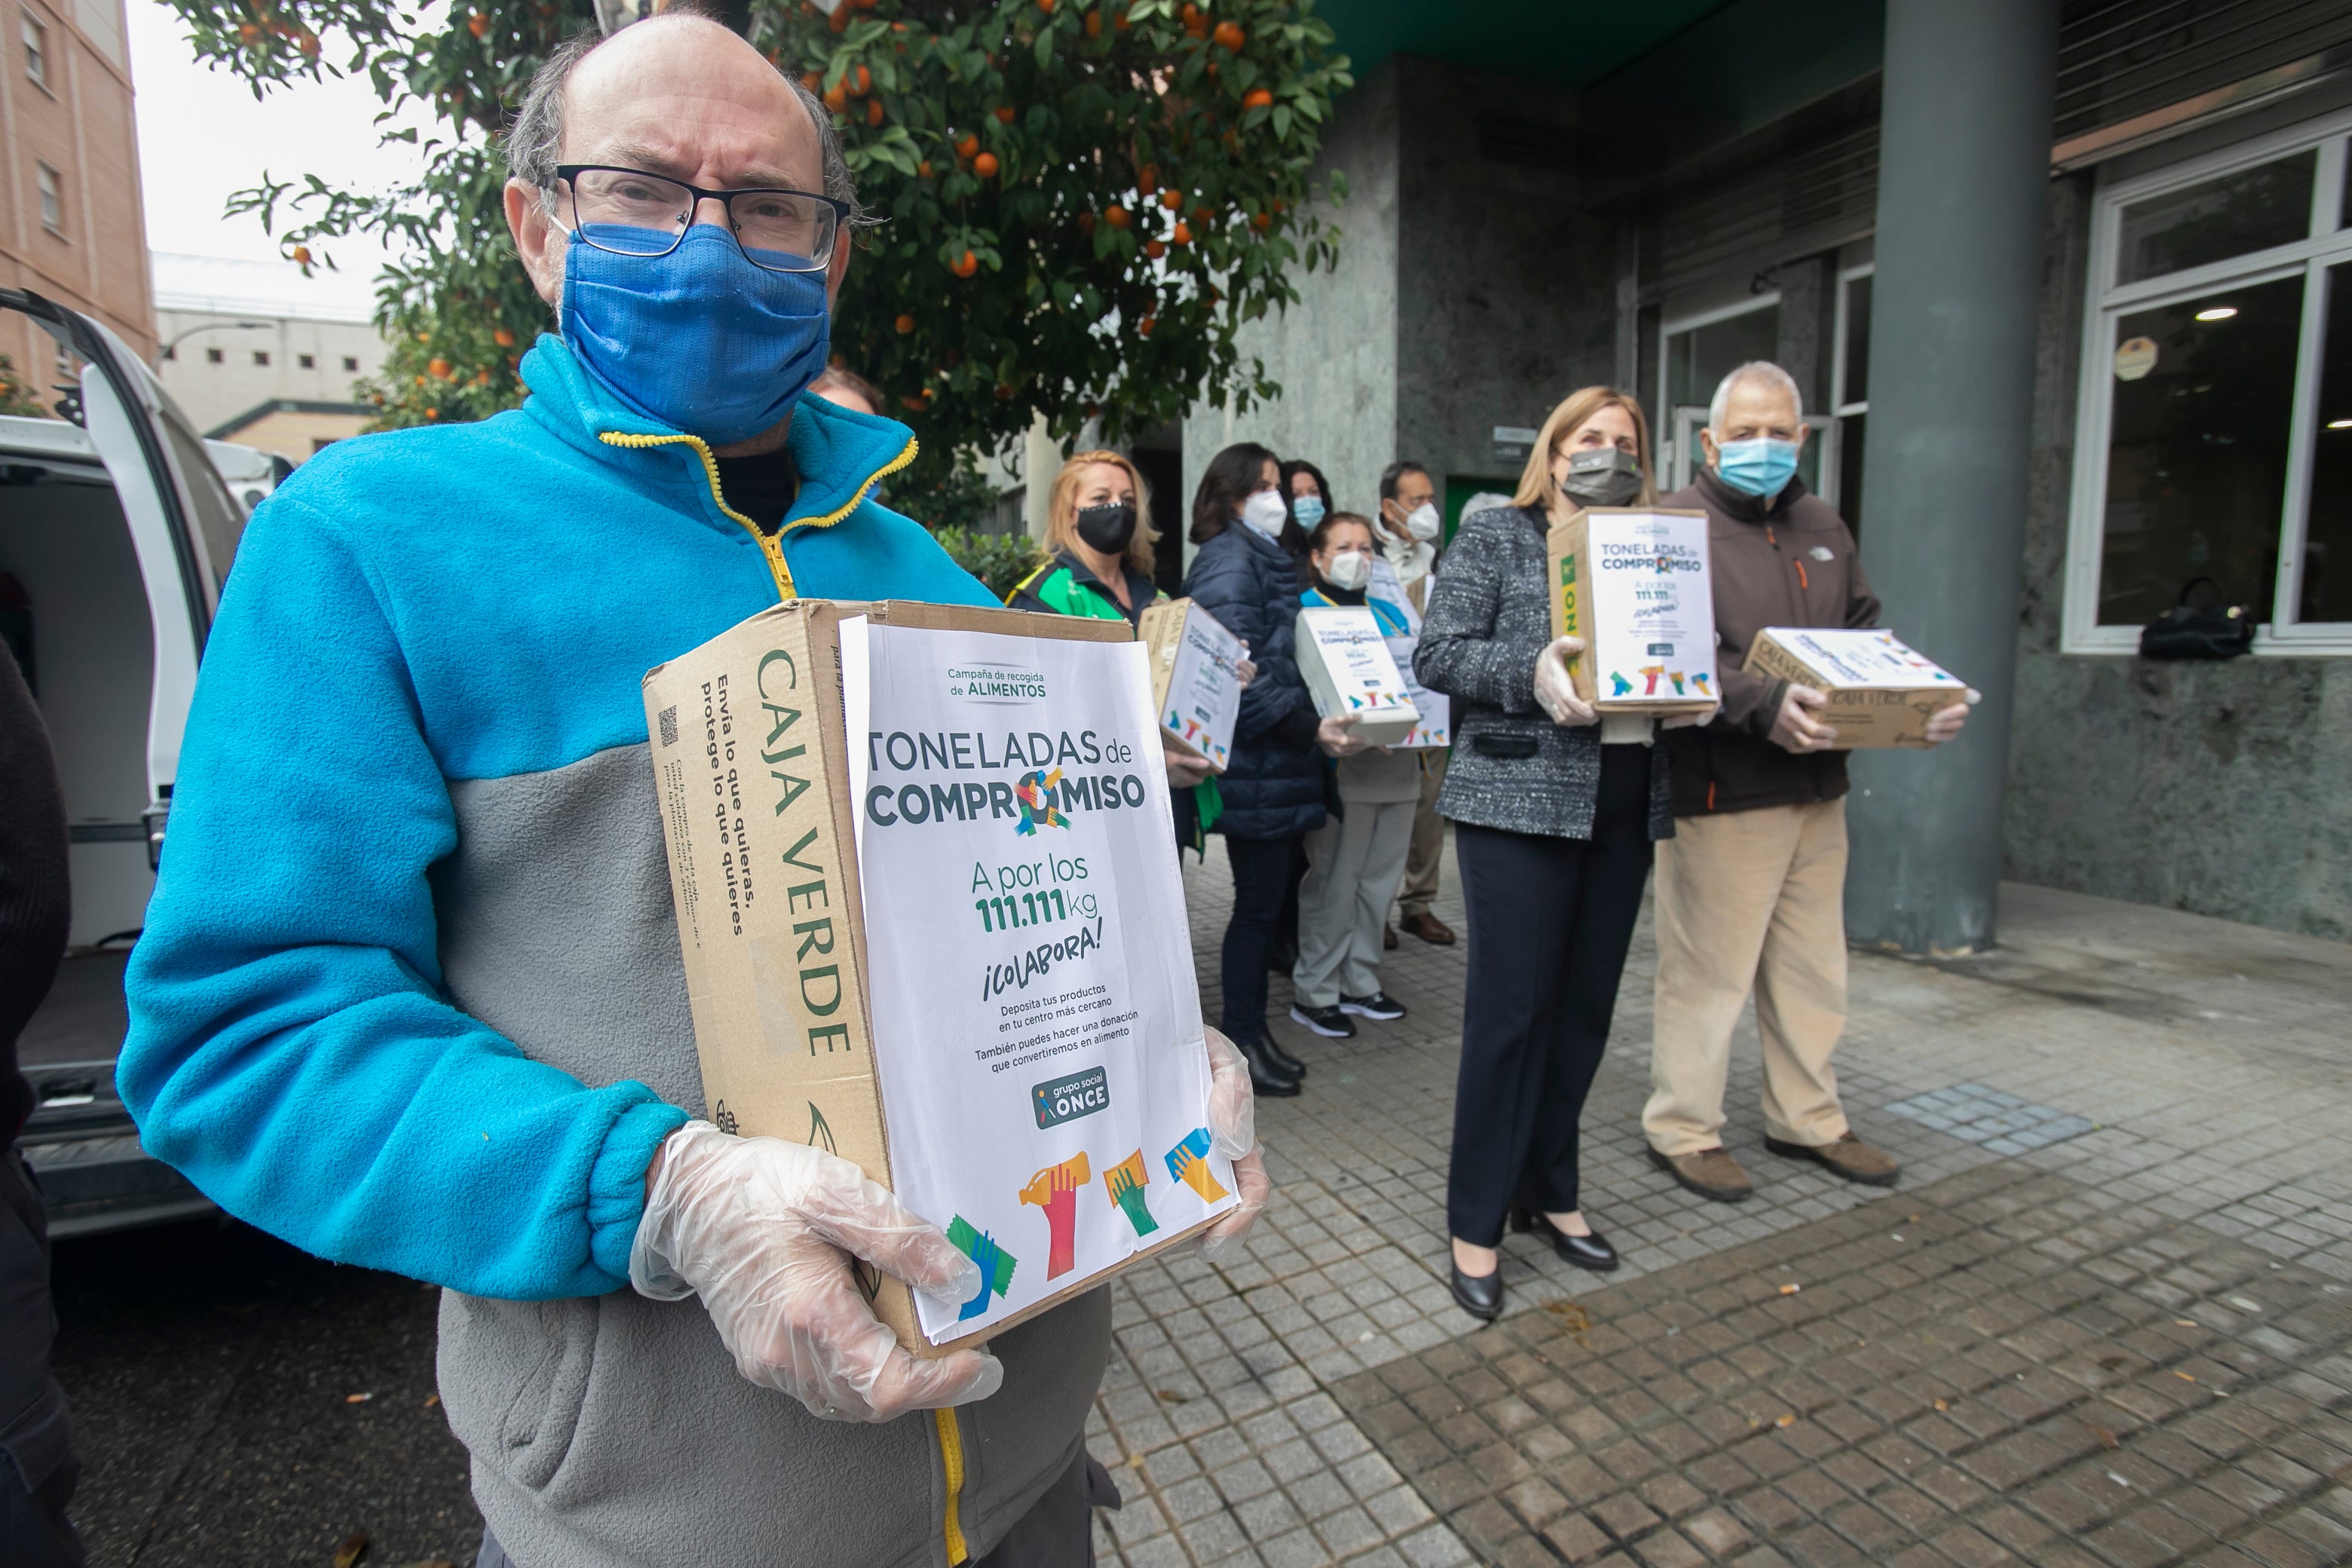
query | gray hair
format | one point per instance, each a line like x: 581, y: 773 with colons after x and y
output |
x: 535, y: 140
x: 1763, y: 370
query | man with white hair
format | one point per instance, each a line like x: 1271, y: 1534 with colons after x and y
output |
x: 1751, y: 889
x: 410, y: 993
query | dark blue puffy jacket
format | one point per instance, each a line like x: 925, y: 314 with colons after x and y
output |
x: 1274, y: 786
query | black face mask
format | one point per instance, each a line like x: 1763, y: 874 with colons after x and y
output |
x: 1107, y: 528
x: 1602, y: 476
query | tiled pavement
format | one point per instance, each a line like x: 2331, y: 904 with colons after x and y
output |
x: 2205, y: 1063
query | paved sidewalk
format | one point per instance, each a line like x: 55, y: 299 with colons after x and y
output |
x: 2155, y: 1063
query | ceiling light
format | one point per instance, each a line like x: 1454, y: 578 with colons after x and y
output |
x: 2218, y: 313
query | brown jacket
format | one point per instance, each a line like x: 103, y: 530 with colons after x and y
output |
x: 1789, y: 563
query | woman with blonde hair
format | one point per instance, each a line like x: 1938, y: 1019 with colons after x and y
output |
x: 1555, y: 810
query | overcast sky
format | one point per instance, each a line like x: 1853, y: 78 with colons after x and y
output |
x: 202, y: 135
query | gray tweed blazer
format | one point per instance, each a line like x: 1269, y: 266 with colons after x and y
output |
x: 1488, y: 619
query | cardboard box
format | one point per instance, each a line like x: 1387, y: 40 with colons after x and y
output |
x: 1881, y: 693
x: 754, y: 777
x: 1633, y: 584
x: 1346, y: 663
x: 1195, y: 687
x: 1435, y: 731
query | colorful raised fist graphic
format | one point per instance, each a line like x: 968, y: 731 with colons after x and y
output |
x: 996, y: 1264
x: 1125, y: 1182
x: 1055, y: 1189
x: 1188, y: 1164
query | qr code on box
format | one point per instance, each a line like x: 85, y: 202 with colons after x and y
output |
x: 670, y: 725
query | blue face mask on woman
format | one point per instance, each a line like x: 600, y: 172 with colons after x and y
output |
x: 700, y: 340
x: 1762, y: 466
x: 1308, y: 509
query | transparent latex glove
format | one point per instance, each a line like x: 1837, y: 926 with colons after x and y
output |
x: 1556, y: 688
x: 1947, y: 723
x: 1183, y: 772
x: 1338, y: 737
x: 760, y: 1229
x: 1685, y: 721
x: 1233, y: 1132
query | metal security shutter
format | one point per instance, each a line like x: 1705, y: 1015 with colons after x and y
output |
x: 2121, y: 61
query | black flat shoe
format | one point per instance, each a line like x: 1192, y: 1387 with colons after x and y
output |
x: 1284, y: 1062
x: 1266, y: 1080
x: 1591, y: 1252
x: 1480, y: 1295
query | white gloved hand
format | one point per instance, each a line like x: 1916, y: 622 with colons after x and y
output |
x: 1556, y: 688
x: 760, y: 1229
x: 1233, y: 1132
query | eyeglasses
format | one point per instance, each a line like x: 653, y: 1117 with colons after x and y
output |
x: 631, y: 213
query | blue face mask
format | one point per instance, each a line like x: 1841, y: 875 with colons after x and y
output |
x: 1762, y: 466
x: 700, y: 340
x: 1308, y: 511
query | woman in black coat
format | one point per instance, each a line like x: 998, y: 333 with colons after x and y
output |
x: 1272, y: 788
x: 1555, y: 808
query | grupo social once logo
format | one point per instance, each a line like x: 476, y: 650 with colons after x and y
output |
x: 1067, y: 1099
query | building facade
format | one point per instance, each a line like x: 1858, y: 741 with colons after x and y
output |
x: 72, y: 228
x: 2175, y: 416
x: 255, y: 352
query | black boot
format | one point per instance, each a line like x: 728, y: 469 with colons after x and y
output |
x: 1267, y: 1078
x: 1289, y: 1066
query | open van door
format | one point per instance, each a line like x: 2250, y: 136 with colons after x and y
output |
x: 115, y: 539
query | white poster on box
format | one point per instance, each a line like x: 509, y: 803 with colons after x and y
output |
x: 1434, y: 732
x: 1864, y: 659
x: 1204, y: 692
x: 1345, y: 661
x: 1035, y: 1012
x: 1654, y: 625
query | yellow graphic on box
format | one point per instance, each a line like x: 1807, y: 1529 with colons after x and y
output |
x: 1188, y: 1164
x: 1125, y: 1182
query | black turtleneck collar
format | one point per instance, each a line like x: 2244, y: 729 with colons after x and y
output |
x: 1316, y: 583
x: 1748, y: 508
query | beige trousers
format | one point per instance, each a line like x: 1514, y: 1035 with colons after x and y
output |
x: 1428, y: 852
x: 1750, y: 900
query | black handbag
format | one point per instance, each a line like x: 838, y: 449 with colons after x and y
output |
x: 2199, y: 631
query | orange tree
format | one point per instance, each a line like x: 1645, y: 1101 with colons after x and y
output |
x: 1077, y: 201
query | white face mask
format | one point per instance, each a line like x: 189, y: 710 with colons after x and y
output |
x: 1264, y: 511
x: 1351, y: 570
x: 1422, y: 521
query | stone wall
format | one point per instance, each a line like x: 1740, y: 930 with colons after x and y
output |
x: 2219, y: 788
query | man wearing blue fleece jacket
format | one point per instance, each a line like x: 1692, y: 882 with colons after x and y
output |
x: 410, y: 993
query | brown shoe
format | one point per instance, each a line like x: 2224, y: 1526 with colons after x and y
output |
x: 1389, y: 938
x: 1709, y: 1173
x: 1850, y: 1157
x: 1429, y: 928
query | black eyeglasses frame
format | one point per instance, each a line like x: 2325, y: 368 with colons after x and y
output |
x: 569, y: 174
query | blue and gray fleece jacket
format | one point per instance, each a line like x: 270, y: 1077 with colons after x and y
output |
x: 410, y: 994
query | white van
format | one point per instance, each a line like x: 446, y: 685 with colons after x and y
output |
x: 117, y: 528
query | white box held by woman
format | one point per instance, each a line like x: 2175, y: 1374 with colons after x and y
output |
x: 929, y: 903
x: 1345, y: 661
x: 1881, y: 693
x: 1635, y: 585
x: 1195, y: 684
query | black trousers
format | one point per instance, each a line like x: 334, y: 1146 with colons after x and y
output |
x: 38, y: 1466
x: 1261, y: 874
x: 1549, y: 921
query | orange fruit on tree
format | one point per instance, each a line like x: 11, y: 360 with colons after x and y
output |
x: 1257, y: 98
x: 503, y: 338
x: 1004, y: 112
x: 433, y: 414
x: 836, y: 97
x: 1200, y: 217
x: 1046, y: 6
x: 1190, y: 13
x: 1230, y: 34
x: 1154, y: 249
x: 1171, y: 200
x: 1115, y: 215
x: 1148, y: 180
x: 1143, y: 327
x: 864, y: 79
x: 967, y: 147
x: 438, y: 369
x: 872, y: 111
x: 965, y: 265
x: 247, y: 32
x: 904, y: 323
x: 1094, y: 24
x: 812, y: 81
x: 985, y: 165
x: 477, y: 24
x: 1120, y: 23
x: 1086, y: 223
x: 924, y: 168
x: 840, y: 23
x: 1184, y: 235
x: 302, y: 255
x: 1261, y: 222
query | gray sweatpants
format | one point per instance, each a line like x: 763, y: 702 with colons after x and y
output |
x: 1353, y: 865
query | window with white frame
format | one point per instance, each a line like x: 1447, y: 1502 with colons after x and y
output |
x: 36, y: 47
x: 1695, y: 352
x: 1841, y: 483
x: 53, y: 198
x: 2214, y: 458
